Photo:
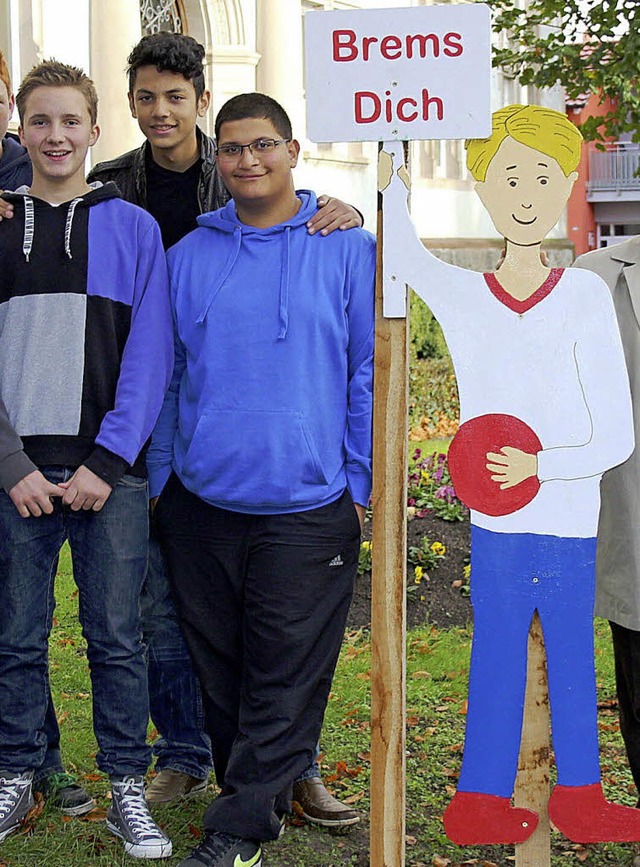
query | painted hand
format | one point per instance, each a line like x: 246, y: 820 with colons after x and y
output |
x: 511, y: 466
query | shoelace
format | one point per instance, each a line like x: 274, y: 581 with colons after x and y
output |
x: 10, y: 793
x: 135, y: 808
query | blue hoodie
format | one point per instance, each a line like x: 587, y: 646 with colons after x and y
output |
x: 15, y: 164
x: 269, y: 408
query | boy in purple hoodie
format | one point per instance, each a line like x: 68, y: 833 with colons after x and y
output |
x: 274, y: 345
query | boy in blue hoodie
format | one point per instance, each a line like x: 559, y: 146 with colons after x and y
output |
x: 274, y: 346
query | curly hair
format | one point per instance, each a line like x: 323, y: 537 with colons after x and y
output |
x: 172, y: 52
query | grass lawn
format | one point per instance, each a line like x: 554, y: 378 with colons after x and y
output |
x: 437, y: 666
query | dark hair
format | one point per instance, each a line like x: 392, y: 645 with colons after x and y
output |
x: 52, y: 73
x: 171, y: 52
x: 257, y: 105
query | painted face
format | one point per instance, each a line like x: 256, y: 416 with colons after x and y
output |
x: 524, y: 192
x: 166, y: 108
x: 6, y: 109
x: 255, y: 176
x: 57, y: 132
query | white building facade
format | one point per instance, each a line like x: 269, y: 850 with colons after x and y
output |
x: 258, y: 45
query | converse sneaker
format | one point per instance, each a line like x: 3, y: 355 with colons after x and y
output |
x: 224, y: 850
x: 128, y: 817
x: 63, y: 791
x: 15, y: 800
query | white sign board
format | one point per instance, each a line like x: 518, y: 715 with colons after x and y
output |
x: 405, y: 73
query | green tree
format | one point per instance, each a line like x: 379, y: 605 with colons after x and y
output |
x: 545, y: 45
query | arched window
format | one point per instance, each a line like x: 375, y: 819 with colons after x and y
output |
x: 162, y: 15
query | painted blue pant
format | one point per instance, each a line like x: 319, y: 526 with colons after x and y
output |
x: 512, y: 575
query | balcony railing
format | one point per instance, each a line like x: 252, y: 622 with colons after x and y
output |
x: 615, y: 169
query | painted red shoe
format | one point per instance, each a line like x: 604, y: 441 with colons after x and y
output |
x: 583, y: 815
x: 474, y: 819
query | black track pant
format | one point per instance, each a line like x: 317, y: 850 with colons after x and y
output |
x: 262, y: 601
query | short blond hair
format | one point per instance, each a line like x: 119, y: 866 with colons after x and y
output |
x: 52, y: 73
x: 542, y: 129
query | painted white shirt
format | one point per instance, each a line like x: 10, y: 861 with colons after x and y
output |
x: 559, y: 367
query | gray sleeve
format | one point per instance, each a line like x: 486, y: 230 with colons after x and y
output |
x: 14, y: 464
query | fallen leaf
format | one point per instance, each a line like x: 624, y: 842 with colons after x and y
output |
x: 98, y: 814
x: 410, y: 840
x: 440, y: 861
x: 194, y: 831
x: 353, y: 799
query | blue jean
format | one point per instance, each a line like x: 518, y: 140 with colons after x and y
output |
x: 512, y: 575
x: 175, y: 699
x: 109, y: 553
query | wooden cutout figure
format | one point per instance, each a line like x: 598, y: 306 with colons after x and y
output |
x: 545, y: 410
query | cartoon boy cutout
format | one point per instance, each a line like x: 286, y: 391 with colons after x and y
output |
x: 538, y: 359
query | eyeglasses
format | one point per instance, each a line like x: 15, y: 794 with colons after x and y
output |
x: 258, y: 148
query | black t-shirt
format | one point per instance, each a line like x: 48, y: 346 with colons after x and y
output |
x: 172, y: 199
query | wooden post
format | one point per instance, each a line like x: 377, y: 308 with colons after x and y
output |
x: 532, y: 784
x: 389, y: 605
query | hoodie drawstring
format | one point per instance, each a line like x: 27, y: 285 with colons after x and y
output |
x: 237, y: 237
x: 29, y: 226
x: 29, y: 223
x: 67, y: 228
x: 283, y: 309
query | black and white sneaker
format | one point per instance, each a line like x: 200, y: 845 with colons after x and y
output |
x: 64, y: 792
x: 129, y: 818
x: 16, y: 800
x: 224, y: 850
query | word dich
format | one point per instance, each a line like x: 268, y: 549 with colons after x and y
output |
x: 369, y: 106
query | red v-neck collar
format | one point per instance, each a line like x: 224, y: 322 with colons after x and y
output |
x: 522, y: 306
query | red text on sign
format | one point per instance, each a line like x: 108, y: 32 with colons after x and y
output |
x: 346, y: 46
x: 369, y: 107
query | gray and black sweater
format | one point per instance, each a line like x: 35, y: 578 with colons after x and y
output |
x: 85, y: 335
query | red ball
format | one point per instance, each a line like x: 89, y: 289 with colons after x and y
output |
x: 468, y: 463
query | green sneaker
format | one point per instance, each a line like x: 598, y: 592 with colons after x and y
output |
x: 63, y: 791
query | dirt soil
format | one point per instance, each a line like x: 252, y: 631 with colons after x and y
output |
x: 435, y: 601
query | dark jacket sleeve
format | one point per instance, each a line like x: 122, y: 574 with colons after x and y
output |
x: 14, y: 464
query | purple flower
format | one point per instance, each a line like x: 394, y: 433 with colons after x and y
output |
x: 416, y: 454
x: 437, y: 476
x: 411, y: 501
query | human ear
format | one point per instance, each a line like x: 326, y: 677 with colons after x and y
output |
x: 293, y: 148
x: 132, y: 105
x: 203, y: 103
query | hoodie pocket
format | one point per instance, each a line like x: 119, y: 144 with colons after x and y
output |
x: 261, y: 458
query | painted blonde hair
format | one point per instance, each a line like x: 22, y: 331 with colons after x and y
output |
x: 543, y: 129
